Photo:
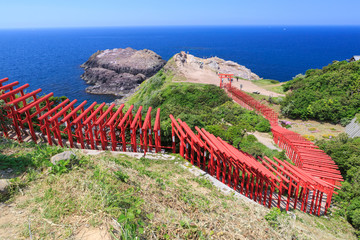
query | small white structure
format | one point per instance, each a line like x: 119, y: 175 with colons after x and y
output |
x: 354, y: 58
x: 353, y: 129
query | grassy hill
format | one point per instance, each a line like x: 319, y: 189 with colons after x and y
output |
x: 205, y: 106
x: 118, y: 197
x: 329, y: 94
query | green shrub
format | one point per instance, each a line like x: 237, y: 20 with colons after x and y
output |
x: 217, y: 130
x: 276, y: 100
x: 250, y: 145
x: 263, y: 126
x: 251, y: 138
x: 3, y: 120
x: 346, y: 154
x: 329, y: 94
x: 60, y: 167
x: 274, y: 217
x: 355, y: 218
x: 122, y: 176
x: 274, y: 81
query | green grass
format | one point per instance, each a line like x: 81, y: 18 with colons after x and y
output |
x: 141, y: 198
x: 202, y: 105
x: 277, y: 89
x: 268, y: 84
x: 265, y: 82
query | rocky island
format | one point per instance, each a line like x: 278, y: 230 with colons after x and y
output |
x: 119, y: 71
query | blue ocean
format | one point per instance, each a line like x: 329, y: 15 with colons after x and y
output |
x: 50, y: 58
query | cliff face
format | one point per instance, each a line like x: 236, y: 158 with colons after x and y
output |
x: 119, y: 71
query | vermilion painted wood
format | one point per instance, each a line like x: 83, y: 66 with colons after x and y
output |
x: 223, y: 76
x: 157, y: 132
x: 135, y: 124
x: 89, y: 124
x: 250, y: 103
x: 101, y: 124
x: 12, y: 94
x: 47, y: 125
x: 3, y: 90
x: 13, y: 107
x: 113, y: 123
x: 125, y: 121
x: 181, y: 135
x: 313, y: 160
x: 63, y: 117
x: 3, y: 80
x: 305, y: 154
x: 260, y: 180
x: 28, y: 116
x: 144, y: 131
x: 8, y: 86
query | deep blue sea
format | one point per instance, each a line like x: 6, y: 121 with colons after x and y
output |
x: 50, y: 58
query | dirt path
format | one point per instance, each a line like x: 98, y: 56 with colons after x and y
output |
x: 266, y: 139
x: 193, y: 69
x: 12, y: 221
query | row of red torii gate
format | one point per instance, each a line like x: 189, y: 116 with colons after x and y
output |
x: 270, y: 182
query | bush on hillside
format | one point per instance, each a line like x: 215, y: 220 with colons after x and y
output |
x: 329, y: 94
x: 2, y: 113
x: 202, y: 105
x: 346, y: 154
x: 4, y: 121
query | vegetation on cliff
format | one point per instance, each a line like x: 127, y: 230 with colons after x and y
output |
x: 3, y: 120
x: 346, y: 154
x: 205, y: 106
x: 329, y: 94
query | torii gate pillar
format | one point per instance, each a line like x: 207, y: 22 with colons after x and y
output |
x: 223, y: 76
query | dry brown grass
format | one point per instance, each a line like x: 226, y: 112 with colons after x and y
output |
x: 314, y: 128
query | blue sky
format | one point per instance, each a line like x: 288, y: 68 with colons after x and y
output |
x: 81, y: 13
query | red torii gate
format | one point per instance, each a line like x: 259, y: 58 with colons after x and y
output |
x: 260, y: 180
x: 308, y: 158
x: 96, y: 126
x: 223, y: 76
x: 315, y: 177
x: 250, y: 103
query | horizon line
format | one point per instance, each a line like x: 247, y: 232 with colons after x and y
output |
x: 175, y: 26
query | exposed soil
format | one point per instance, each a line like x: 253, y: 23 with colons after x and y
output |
x: 11, y: 220
x: 90, y: 233
x: 267, y: 140
x: 190, y: 71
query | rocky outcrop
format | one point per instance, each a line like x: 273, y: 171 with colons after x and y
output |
x: 4, y: 186
x: 67, y: 155
x: 214, y: 64
x: 119, y: 71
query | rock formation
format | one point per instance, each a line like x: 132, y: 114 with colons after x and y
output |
x: 214, y: 64
x: 119, y: 71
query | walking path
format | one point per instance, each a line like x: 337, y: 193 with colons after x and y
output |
x: 190, y: 71
x: 266, y: 139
